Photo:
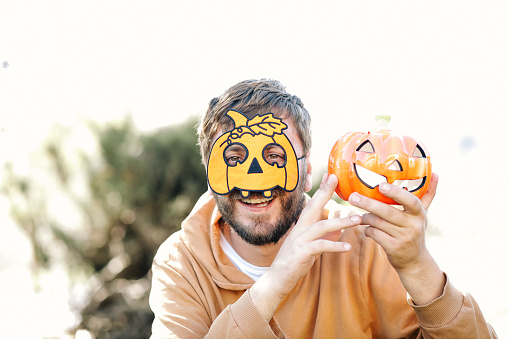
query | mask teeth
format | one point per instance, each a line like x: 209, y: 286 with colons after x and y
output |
x: 244, y: 194
x: 267, y: 194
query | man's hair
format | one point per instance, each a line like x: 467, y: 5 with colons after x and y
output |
x: 252, y: 97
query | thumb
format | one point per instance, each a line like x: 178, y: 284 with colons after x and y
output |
x: 427, y: 198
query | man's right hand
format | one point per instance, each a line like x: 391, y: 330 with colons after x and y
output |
x: 309, y: 238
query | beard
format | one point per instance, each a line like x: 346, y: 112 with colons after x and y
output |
x: 258, y: 231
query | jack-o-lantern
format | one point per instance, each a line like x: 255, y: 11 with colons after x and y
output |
x: 254, y: 156
x: 364, y: 160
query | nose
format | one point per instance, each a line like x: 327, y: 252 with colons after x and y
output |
x: 254, y: 167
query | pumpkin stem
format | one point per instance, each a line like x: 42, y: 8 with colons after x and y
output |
x: 382, y: 122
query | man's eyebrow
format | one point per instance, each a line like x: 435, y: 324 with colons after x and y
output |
x: 235, y: 148
x: 271, y: 146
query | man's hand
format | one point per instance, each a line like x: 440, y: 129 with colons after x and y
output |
x: 309, y: 238
x: 401, y: 233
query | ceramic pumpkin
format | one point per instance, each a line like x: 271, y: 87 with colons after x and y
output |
x: 364, y: 160
x: 254, y: 156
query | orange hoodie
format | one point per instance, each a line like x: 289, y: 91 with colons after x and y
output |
x: 197, y: 292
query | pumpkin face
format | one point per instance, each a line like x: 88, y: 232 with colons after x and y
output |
x: 254, y: 156
x: 362, y: 161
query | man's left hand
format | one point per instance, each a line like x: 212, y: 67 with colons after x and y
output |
x: 401, y: 233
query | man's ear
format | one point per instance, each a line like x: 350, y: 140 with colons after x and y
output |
x: 309, y: 171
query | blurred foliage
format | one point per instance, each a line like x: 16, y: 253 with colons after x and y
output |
x: 106, y: 211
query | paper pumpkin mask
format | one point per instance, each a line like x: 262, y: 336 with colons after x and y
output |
x: 254, y: 156
x: 363, y: 160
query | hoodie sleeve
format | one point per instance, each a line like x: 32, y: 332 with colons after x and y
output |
x: 247, y: 322
x: 178, y: 301
x: 452, y: 315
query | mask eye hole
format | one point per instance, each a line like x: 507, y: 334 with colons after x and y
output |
x: 274, y: 154
x: 419, y: 152
x: 234, y: 154
x: 366, y: 147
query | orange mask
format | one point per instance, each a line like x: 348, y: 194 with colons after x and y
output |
x: 254, y: 156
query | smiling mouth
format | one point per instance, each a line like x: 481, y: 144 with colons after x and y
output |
x: 372, y: 179
x: 257, y: 202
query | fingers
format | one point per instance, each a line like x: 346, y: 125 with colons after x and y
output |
x: 330, y: 229
x: 382, y: 237
x: 380, y: 224
x: 401, y: 233
x: 312, y: 211
x: 427, y: 198
x: 324, y: 235
x: 379, y: 211
x: 322, y: 246
x: 315, y: 236
x: 410, y: 203
x: 324, y: 192
x: 389, y: 226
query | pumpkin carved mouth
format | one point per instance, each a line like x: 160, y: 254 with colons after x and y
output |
x: 373, y: 180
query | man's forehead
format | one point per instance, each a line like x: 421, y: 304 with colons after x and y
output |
x: 290, y: 131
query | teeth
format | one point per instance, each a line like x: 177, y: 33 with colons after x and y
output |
x: 256, y: 200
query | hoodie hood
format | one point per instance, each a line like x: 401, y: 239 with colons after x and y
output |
x: 201, y: 236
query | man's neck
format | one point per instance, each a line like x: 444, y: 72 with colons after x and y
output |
x: 256, y: 255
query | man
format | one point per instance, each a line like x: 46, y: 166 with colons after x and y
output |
x: 256, y: 258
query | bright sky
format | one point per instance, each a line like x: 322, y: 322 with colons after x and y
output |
x: 439, y: 68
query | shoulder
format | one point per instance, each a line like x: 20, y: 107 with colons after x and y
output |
x: 173, y: 249
x: 194, y: 234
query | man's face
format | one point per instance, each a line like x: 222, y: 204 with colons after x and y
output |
x: 259, y: 220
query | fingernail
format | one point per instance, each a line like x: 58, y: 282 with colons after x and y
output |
x: 384, y: 188
x: 330, y: 179
x: 356, y: 218
x: 347, y: 246
x: 355, y: 198
x: 323, y: 178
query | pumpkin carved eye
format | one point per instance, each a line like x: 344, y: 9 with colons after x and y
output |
x: 419, y: 152
x: 366, y: 147
x: 396, y: 166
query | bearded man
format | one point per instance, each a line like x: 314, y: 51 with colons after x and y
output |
x: 258, y: 258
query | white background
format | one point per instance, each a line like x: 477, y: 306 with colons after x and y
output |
x: 439, y: 68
